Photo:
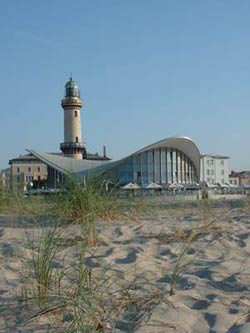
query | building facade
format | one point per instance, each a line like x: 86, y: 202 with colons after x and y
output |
x: 169, y: 161
x: 27, y: 171
x: 163, y: 164
x: 234, y: 179
x: 244, y: 178
x: 214, y: 169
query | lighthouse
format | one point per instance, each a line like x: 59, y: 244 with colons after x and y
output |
x: 72, y: 104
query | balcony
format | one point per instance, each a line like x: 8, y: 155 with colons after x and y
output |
x: 71, y: 101
x: 64, y: 145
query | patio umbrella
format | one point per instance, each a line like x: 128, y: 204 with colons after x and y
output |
x: 131, y: 186
x: 153, y: 186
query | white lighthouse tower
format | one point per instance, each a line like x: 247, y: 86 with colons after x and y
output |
x: 72, y: 104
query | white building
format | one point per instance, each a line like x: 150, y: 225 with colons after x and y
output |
x: 214, y: 169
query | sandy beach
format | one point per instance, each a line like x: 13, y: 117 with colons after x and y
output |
x: 180, y: 269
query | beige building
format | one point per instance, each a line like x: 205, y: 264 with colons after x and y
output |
x: 27, y: 172
x: 244, y: 178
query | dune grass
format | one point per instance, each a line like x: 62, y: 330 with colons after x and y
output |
x: 56, y: 282
x: 67, y: 290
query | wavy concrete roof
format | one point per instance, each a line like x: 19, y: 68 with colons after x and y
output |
x: 90, y: 167
x: 66, y: 164
x: 184, y: 144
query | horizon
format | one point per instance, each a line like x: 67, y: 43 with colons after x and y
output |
x: 145, y: 71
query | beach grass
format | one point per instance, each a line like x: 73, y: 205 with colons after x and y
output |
x: 59, y: 287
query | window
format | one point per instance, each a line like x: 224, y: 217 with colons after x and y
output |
x: 137, y: 169
x: 18, y: 179
x: 174, y: 171
x: 212, y: 172
x: 222, y: 172
x: 163, y: 166
x: 208, y: 172
x: 39, y: 178
x: 157, y: 166
x: 230, y: 181
x: 76, y: 115
x: 222, y: 162
x: 29, y: 169
x: 223, y: 181
x: 144, y: 168
x: 38, y: 169
x: 29, y: 179
x: 76, y: 138
x: 18, y: 169
x: 235, y: 182
x: 150, y: 167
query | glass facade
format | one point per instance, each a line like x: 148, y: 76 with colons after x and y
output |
x: 157, y: 166
x: 169, y: 167
x: 144, y: 169
x: 150, y: 167
x: 162, y: 166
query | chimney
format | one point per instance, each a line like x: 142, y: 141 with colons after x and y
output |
x: 104, y: 152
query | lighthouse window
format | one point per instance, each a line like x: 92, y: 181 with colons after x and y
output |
x: 76, y: 138
x: 76, y: 114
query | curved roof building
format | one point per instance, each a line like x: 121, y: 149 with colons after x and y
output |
x: 172, y: 160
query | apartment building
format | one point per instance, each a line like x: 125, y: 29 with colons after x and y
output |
x: 27, y: 171
x: 214, y: 169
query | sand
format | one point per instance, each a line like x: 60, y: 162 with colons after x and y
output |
x: 211, y: 293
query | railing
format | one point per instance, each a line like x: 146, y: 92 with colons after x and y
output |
x: 71, y: 100
x: 72, y: 145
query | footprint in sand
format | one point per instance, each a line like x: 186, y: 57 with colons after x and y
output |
x: 130, y: 259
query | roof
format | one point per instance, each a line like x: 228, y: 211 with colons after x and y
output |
x: 221, y: 157
x: 25, y: 158
x: 91, y: 167
x: 184, y: 144
x: 66, y: 164
x: 71, y: 84
x: 96, y: 157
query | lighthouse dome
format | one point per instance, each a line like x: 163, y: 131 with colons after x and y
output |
x: 71, y: 84
x: 71, y: 89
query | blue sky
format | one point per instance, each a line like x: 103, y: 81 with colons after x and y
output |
x: 146, y: 69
